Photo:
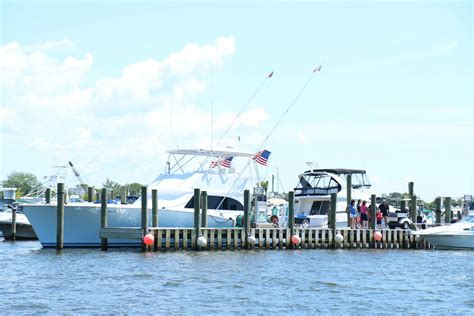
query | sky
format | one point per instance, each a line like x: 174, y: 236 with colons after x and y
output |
x: 112, y: 85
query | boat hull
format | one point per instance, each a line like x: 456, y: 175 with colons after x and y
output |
x: 451, y: 241
x: 82, y: 223
x: 23, y: 231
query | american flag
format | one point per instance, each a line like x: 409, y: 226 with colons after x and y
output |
x: 223, y: 162
x: 262, y: 157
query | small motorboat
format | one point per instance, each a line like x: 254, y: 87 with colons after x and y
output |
x: 459, y: 235
x: 24, y: 231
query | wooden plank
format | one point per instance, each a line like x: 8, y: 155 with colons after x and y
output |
x: 219, y: 239
x: 303, y: 238
x: 317, y: 239
x: 323, y: 238
x: 121, y: 233
x: 176, y: 239
x: 310, y: 238
x: 364, y: 238
x: 389, y: 239
x: 274, y: 239
x: 193, y: 239
x: 267, y: 238
x: 395, y: 239
x: 280, y: 238
x: 287, y: 238
x: 260, y: 238
x: 212, y: 232
x: 185, y: 239
x: 330, y: 238
x: 400, y: 238
x: 159, y: 239
x: 167, y: 239
x: 236, y: 238
x: 228, y: 238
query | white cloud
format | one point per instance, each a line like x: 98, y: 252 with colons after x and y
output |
x: 118, y: 119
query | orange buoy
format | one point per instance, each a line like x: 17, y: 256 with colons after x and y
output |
x: 148, y: 239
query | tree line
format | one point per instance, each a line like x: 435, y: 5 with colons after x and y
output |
x: 26, y: 182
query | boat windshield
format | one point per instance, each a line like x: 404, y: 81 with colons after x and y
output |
x: 317, y: 184
x: 359, y: 180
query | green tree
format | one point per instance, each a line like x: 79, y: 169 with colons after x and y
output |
x: 23, y: 181
x: 134, y: 188
x: 264, y: 185
x: 111, y: 186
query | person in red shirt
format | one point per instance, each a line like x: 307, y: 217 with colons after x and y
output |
x: 364, y: 214
x: 379, y: 217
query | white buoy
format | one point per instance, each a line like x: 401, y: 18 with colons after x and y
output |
x: 251, y: 241
x: 201, y: 242
x: 339, y: 238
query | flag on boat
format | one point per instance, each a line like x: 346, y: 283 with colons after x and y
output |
x: 223, y: 162
x: 270, y: 74
x: 262, y: 157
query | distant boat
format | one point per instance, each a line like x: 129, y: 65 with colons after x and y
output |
x: 459, y: 235
x: 224, y: 174
x: 24, y: 231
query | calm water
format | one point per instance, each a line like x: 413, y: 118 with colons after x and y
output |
x: 35, y: 280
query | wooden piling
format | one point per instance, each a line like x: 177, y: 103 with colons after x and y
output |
x: 438, y: 210
x: 373, y: 208
x: 291, y: 216
x: 413, y: 208
x: 13, y: 227
x: 48, y: 195
x: 60, y: 217
x: 123, y: 195
x: 89, y: 194
x: 332, y: 217
x: 154, y: 207
x: 197, y: 217
x: 447, y: 208
x: 246, y: 216
x: 203, y: 209
x: 103, y: 217
x: 349, y: 197
x: 411, y: 190
x: 144, y: 198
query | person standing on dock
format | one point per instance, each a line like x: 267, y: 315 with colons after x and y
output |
x: 364, y: 217
x: 359, y: 202
x: 383, y: 207
x: 379, y: 217
x: 353, y: 214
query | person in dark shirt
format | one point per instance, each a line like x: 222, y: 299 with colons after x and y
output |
x: 383, y: 207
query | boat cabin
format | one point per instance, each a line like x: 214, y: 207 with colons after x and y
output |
x: 320, y: 182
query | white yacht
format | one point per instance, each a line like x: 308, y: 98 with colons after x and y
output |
x: 459, y: 235
x: 313, y: 195
x: 224, y: 174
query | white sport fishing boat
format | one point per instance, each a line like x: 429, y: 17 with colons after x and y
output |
x: 223, y: 174
x: 313, y: 195
x: 459, y: 235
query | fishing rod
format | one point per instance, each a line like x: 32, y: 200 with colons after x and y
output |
x: 260, y: 86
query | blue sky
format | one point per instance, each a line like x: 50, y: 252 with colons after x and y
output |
x: 97, y: 83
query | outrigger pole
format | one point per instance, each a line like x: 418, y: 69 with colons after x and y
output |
x: 317, y: 69
x: 260, y: 86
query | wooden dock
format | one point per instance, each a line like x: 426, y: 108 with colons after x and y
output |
x: 166, y: 239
